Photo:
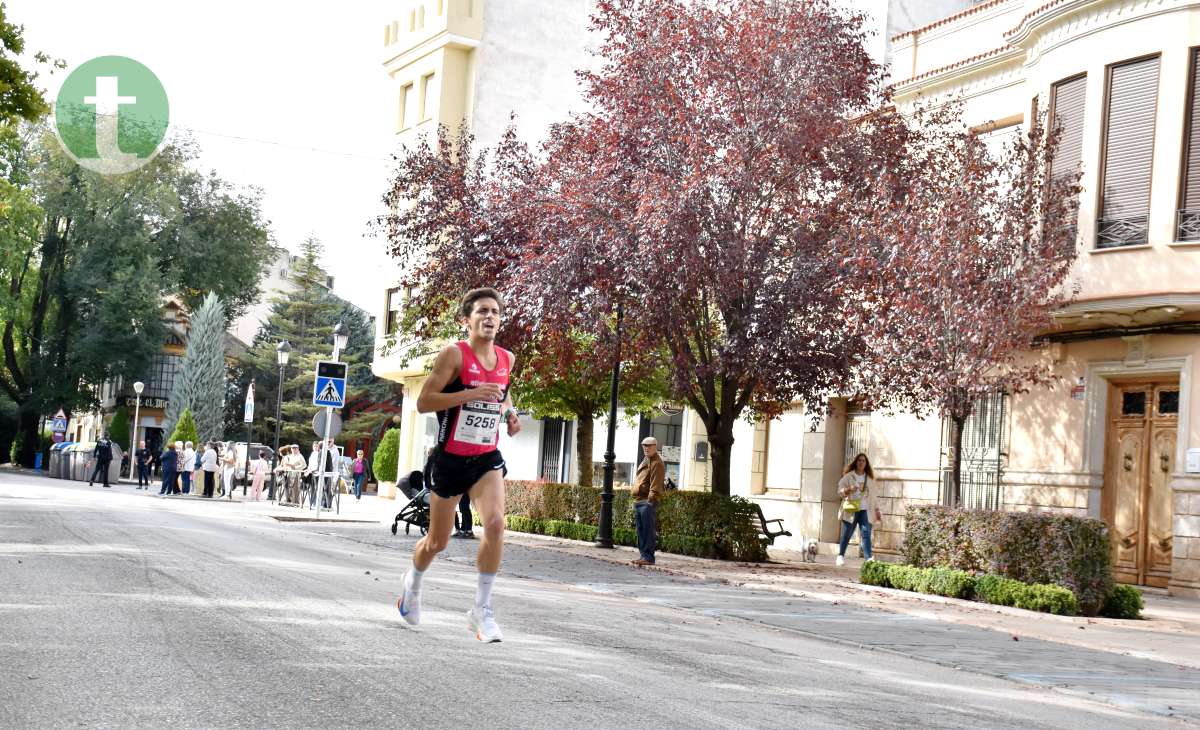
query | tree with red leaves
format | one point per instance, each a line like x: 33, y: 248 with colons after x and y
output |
x: 965, y: 271
x: 707, y: 194
x: 459, y: 220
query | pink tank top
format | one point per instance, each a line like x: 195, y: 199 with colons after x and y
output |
x: 474, y: 427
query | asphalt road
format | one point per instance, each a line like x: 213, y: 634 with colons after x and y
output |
x: 121, y: 610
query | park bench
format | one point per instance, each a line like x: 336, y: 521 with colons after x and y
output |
x: 760, y: 522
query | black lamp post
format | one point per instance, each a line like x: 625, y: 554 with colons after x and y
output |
x: 604, y: 532
x: 283, y: 351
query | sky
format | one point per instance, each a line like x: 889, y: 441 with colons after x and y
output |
x: 287, y: 97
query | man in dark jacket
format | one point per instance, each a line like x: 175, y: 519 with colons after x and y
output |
x: 142, y: 456
x: 170, y: 466
x: 103, y: 455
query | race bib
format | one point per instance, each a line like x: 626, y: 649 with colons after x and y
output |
x: 478, y: 423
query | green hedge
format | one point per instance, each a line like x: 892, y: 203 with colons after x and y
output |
x: 689, y: 523
x: 1034, y: 548
x: 387, y: 456
x: 960, y: 584
x: 1123, y: 602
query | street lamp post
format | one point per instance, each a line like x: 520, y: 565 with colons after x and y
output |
x: 604, y: 532
x: 282, y: 352
x: 341, y: 336
x: 138, y: 387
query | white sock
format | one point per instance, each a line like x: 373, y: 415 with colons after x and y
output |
x: 414, y: 579
x: 483, y: 594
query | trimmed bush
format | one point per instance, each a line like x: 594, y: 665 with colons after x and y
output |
x: 952, y: 583
x: 874, y: 573
x: 689, y: 523
x: 1047, y: 599
x: 1123, y: 602
x: 998, y: 590
x: 1072, y: 552
x: 387, y: 456
x: 118, y: 429
x: 185, y: 430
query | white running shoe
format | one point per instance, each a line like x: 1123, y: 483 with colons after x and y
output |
x: 483, y: 623
x: 409, y: 603
x: 841, y: 560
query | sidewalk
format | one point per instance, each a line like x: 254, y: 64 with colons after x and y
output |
x: 1170, y: 632
x: 370, y: 509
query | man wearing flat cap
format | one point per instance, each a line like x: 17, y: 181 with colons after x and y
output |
x: 647, y: 493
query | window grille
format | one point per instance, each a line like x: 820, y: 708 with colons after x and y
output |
x: 985, y: 453
x: 1187, y: 223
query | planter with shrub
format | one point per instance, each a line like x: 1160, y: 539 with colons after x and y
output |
x: 1121, y: 602
x: 689, y: 523
x: 1034, y: 548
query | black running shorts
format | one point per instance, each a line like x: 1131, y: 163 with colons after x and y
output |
x: 453, y: 476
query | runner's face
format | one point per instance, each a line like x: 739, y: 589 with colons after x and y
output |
x: 484, y: 319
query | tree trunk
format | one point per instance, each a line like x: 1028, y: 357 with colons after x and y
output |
x: 583, y: 447
x: 957, y: 425
x: 720, y: 447
x: 31, y: 440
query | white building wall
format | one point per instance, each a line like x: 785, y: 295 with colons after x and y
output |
x: 521, y: 452
x: 525, y: 65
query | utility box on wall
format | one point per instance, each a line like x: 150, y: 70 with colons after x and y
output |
x: 1192, y: 465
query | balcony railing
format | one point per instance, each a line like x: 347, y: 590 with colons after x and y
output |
x: 1187, y: 224
x: 1117, y: 232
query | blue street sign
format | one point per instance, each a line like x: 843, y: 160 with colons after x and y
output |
x: 329, y: 388
x: 59, y: 425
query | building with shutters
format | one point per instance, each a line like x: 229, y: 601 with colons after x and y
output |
x: 1119, y: 437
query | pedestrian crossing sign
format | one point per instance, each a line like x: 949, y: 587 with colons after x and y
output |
x: 329, y: 388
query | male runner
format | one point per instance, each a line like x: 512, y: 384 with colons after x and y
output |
x: 468, y: 389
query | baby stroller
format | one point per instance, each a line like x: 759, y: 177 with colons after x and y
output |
x: 416, y: 512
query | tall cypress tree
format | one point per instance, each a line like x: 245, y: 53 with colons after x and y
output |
x: 202, y: 383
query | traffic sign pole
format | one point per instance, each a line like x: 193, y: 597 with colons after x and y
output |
x: 329, y: 390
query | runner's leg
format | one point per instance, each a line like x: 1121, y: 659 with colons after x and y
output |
x: 441, y: 524
x: 488, y: 496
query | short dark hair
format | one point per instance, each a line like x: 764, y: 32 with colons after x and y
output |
x: 487, y: 292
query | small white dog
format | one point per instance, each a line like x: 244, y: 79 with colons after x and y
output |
x: 810, y: 551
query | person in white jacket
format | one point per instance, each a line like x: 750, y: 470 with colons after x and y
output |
x: 187, y: 464
x: 208, y: 464
x: 858, y: 505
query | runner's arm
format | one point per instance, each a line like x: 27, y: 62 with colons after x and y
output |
x: 511, y: 417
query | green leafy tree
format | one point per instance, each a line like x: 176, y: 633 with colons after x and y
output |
x: 387, y: 456
x: 118, y: 428
x: 86, y: 260
x: 560, y: 380
x: 20, y: 98
x: 185, y: 429
x: 200, y: 387
x: 305, y: 317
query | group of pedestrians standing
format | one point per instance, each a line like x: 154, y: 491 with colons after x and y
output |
x: 184, y: 466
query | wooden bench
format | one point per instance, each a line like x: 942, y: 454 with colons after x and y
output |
x: 760, y: 522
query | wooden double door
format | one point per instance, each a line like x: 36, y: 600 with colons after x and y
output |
x: 1140, y: 458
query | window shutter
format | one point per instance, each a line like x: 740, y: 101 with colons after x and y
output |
x: 1068, y: 105
x: 1129, y: 148
x: 1189, y: 199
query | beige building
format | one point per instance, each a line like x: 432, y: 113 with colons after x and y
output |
x: 1119, y: 437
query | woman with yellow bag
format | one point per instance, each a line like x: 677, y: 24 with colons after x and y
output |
x: 858, y: 507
